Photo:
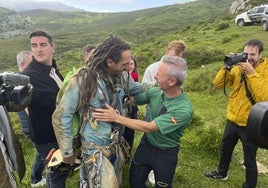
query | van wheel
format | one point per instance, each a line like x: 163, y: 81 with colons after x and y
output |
x: 264, y: 26
x: 240, y: 23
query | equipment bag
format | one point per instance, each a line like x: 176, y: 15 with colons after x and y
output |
x: 257, y: 125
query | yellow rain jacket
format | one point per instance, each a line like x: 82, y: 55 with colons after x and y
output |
x: 239, y: 104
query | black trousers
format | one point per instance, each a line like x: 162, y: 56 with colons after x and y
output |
x: 129, y: 133
x: 55, y: 179
x: 148, y: 157
x: 230, y: 138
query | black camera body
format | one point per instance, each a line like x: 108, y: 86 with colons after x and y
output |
x: 15, y: 91
x: 15, y: 95
x: 231, y: 60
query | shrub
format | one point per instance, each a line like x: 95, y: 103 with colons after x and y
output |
x: 206, y: 138
x: 201, y: 80
x: 196, y: 121
x: 222, y: 26
x: 200, y: 136
x: 226, y: 40
x: 196, y: 58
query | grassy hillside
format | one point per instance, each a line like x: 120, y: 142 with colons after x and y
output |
x: 209, y: 38
x: 72, y: 30
x: 199, y: 151
x: 135, y: 26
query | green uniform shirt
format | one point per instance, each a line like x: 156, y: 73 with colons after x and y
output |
x: 171, y: 115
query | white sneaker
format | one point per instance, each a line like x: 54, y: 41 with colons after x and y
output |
x: 151, y: 177
x: 42, y: 182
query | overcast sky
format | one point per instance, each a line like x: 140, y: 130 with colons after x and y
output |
x: 116, y: 5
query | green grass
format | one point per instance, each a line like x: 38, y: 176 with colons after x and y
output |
x: 149, y: 32
x: 192, y: 165
x: 200, y: 144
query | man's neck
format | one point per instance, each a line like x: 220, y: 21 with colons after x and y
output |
x: 173, y: 92
x: 47, y: 63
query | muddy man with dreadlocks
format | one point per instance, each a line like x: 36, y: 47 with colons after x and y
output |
x: 104, y: 150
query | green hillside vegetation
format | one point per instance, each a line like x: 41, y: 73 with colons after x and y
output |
x: 200, y: 145
x: 4, y: 13
x: 72, y: 30
x: 258, y: 2
x: 209, y: 38
x: 11, y: 23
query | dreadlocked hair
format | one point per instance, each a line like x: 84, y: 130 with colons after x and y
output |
x: 112, y: 48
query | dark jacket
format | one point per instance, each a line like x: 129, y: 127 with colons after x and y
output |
x: 43, y: 102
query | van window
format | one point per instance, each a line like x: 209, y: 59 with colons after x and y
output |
x: 252, y: 11
x: 260, y: 10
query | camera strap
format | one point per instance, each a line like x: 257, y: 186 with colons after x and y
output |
x: 249, y: 95
x: 243, y: 78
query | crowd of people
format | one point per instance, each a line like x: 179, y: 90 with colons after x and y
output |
x: 106, y: 91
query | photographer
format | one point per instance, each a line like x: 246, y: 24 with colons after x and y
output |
x: 248, y: 81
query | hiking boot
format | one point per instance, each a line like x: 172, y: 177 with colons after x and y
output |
x: 216, y: 175
x: 42, y: 182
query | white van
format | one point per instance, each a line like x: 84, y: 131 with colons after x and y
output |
x: 252, y: 16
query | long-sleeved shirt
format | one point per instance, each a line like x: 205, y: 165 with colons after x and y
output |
x: 239, y: 105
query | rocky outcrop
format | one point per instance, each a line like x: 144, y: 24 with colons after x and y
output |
x: 239, y: 5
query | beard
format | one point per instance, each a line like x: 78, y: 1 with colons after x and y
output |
x: 253, y: 62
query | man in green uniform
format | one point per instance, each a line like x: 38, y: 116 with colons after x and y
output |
x: 171, y: 111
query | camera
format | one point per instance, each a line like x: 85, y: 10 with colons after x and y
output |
x: 257, y: 125
x: 231, y: 60
x: 15, y: 95
x: 15, y: 91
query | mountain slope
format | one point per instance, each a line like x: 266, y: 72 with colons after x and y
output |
x: 29, y: 5
x: 72, y: 30
x: 136, y: 24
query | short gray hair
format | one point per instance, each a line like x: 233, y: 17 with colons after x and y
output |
x: 22, y: 57
x: 178, y: 68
